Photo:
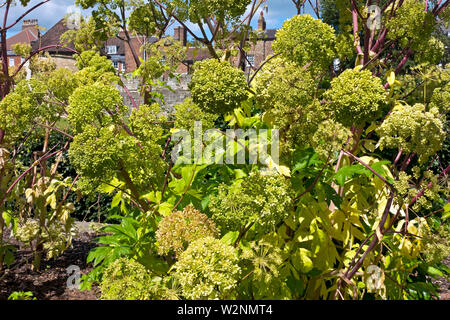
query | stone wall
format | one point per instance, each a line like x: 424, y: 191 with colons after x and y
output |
x: 63, y: 61
x: 171, y: 98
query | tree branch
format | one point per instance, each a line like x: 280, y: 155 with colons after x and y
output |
x: 22, y: 16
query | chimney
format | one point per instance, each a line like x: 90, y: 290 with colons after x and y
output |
x: 261, y: 22
x: 180, y: 34
x: 30, y: 23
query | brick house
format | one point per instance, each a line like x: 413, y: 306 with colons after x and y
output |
x: 119, y: 52
x: 263, y: 48
x: 62, y: 56
x: 114, y: 48
x: 29, y: 33
x: 136, y: 42
x: 256, y: 55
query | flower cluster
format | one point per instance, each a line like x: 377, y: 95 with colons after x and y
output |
x: 108, y: 141
x: 94, y: 68
x: 355, y: 97
x: 430, y: 51
x: 411, y: 24
x: 413, y: 129
x: 217, y: 87
x: 177, y: 230
x: 265, y: 258
x: 282, y: 83
x: 402, y: 185
x: 262, y: 199
x: 330, y: 138
x: 94, y: 153
x: 302, y: 38
x: 436, y: 245
x: 208, y: 269
x: 441, y: 98
x: 57, y: 238
x: 19, y: 108
x: 126, y: 279
x: 96, y: 102
x: 188, y: 112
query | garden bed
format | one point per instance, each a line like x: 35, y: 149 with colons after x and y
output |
x: 51, y: 282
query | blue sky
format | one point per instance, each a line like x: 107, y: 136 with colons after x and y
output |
x: 51, y: 12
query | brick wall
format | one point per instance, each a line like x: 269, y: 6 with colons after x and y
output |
x: 261, y: 50
x: 130, y: 64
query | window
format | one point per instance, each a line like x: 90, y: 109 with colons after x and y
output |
x: 11, y: 62
x: 111, y: 49
x: 250, y: 60
x: 336, y: 64
x: 116, y: 64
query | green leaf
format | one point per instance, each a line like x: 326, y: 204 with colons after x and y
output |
x: 302, y: 261
x: 205, y: 202
x: 111, y: 240
x: 116, y: 199
x: 230, y: 237
x: 128, y: 228
x: 165, y: 209
x: 239, y: 174
x: 347, y: 172
x: 296, y: 285
x: 372, y: 127
x: 246, y: 105
x: 390, y: 75
x: 154, y: 263
x: 97, y: 255
x: 378, y: 167
x: 446, y: 214
x: 432, y: 271
x: 332, y: 195
x: 239, y: 114
x: 303, y: 159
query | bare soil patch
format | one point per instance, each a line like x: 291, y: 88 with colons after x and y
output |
x: 51, y: 282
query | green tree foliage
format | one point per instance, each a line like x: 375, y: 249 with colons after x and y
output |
x: 196, y: 10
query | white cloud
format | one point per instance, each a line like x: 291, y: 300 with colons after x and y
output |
x: 47, y: 14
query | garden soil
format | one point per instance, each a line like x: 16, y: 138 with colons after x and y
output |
x: 51, y: 282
